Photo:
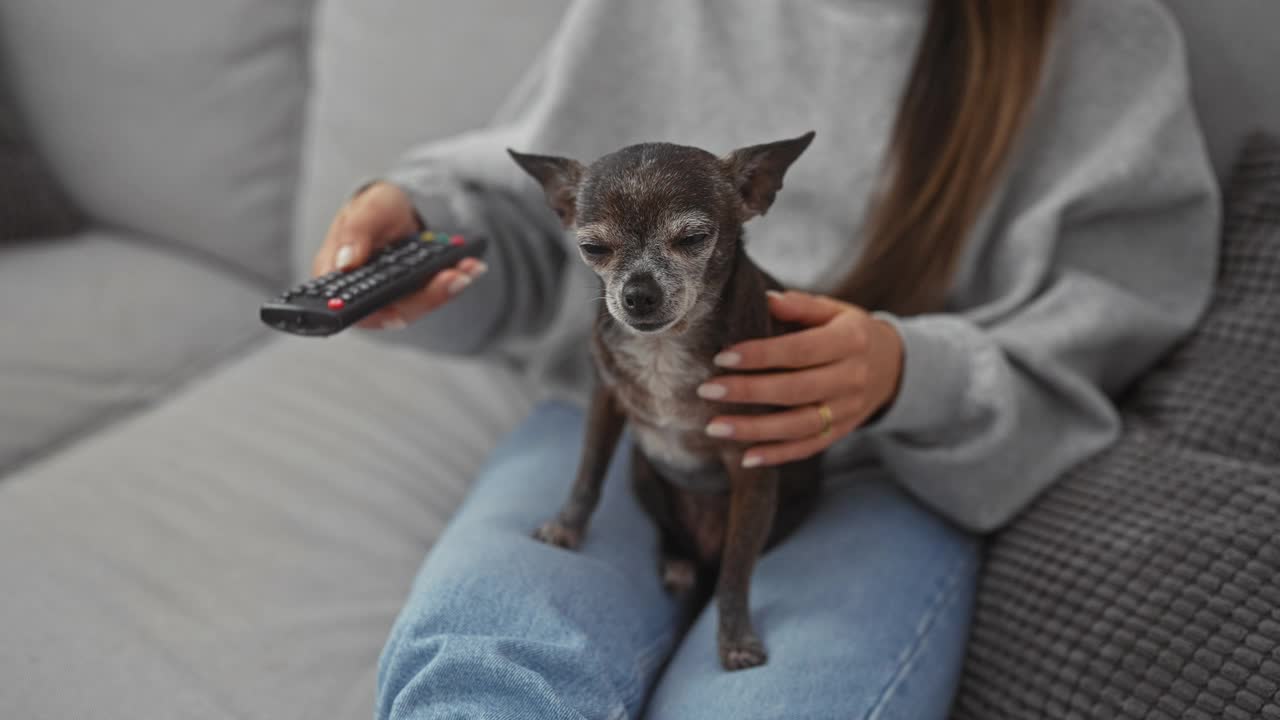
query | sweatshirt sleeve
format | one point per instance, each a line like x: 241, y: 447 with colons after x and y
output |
x: 1097, y: 258
x: 468, y: 183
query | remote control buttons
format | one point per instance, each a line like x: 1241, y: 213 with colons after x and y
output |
x: 427, y: 236
x: 336, y: 303
x: 456, y: 240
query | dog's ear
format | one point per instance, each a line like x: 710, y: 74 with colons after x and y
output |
x: 758, y: 170
x: 559, y: 177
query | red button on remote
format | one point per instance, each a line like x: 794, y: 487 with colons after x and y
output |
x: 336, y: 303
x: 456, y: 240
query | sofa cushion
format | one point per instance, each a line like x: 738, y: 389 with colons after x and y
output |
x: 1220, y: 390
x: 376, y: 93
x: 176, y: 119
x: 1146, y: 584
x: 34, y: 203
x: 241, y: 550
x: 98, y: 324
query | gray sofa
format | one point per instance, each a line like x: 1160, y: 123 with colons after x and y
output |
x: 202, y: 520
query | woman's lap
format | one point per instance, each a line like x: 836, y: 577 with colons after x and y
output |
x: 498, y: 625
x: 863, y: 610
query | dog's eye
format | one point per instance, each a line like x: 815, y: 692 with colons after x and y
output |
x: 594, y: 250
x: 692, y: 241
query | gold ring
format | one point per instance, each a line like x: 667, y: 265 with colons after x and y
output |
x: 824, y: 412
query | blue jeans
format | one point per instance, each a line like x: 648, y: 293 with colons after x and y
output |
x: 864, y: 610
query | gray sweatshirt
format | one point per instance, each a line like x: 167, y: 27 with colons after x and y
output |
x: 1095, y: 256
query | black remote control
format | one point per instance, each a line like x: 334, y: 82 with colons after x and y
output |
x: 329, y: 303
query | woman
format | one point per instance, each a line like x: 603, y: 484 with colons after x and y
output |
x: 1007, y: 216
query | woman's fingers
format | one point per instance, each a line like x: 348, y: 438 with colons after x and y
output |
x: 789, y: 388
x: 402, y: 312
x: 474, y: 267
x: 800, y: 423
x: 785, y: 452
x: 841, y: 337
x: 437, y: 292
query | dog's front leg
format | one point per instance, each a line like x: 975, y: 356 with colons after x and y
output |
x: 604, y: 426
x: 752, y: 504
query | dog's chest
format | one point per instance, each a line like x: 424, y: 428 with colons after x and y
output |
x: 655, y: 379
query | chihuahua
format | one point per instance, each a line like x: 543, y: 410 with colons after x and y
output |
x: 662, y: 226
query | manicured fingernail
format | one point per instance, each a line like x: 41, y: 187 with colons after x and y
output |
x: 457, y: 285
x: 727, y: 359
x: 751, y: 461
x: 720, y: 430
x: 395, y: 323
x: 775, y: 294
x: 344, y: 257
x: 478, y: 269
x: 712, y: 391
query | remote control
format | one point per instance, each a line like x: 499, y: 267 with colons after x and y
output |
x: 327, y: 304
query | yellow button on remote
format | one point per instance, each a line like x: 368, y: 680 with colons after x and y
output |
x: 427, y: 236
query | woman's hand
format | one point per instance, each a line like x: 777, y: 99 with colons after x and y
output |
x: 832, y: 377
x: 376, y: 216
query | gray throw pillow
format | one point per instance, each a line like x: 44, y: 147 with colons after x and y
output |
x: 1220, y: 390
x: 1146, y: 584
x: 32, y: 204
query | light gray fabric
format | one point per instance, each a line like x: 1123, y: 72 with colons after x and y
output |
x: 177, y: 119
x: 1095, y: 257
x: 97, y: 324
x: 1234, y: 54
x: 240, y: 551
x: 367, y: 54
x: 389, y: 74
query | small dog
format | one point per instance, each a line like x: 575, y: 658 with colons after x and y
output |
x: 661, y: 224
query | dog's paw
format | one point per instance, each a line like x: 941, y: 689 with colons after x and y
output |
x: 558, y: 534
x: 679, y: 575
x: 742, y: 652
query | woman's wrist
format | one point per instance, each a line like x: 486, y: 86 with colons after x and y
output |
x: 887, y: 351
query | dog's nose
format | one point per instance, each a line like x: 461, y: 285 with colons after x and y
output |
x: 641, y: 296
